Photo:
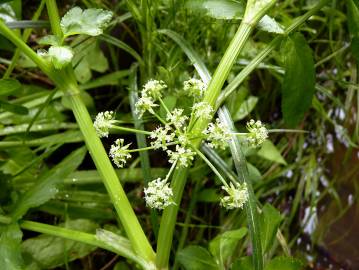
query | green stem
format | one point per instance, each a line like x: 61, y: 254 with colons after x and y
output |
x: 131, y: 130
x: 54, y: 18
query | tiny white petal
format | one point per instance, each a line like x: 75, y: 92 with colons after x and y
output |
x: 257, y: 133
x: 158, y: 194
x: 119, y: 153
x: 203, y: 109
x: 103, y: 123
x: 237, y: 196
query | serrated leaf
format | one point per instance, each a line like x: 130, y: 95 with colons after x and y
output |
x: 270, y: 25
x: 9, y: 86
x: 50, y: 40
x: 46, y: 187
x: 196, y: 258
x: 10, y: 239
x: 299, y: 79
x: 90, y: 22
x: 50, y: 251
x: 218, y: 9
x: 270, y: 152
x: 14, y: 108
x: 284, y: 263
x: 270, y: 219
x: 60, y: 56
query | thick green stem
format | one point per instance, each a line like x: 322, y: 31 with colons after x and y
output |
x: 54, y: 18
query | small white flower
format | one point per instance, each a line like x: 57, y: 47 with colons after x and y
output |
x: 194, y: 87
x: 144, y: 104
x: 103, y: 123
x: 119, y: 153
x: 237, y: 196
x: 183, y: 156
x: 218, y: 134
x: 203, y: 109
x: 176, y: 118
x: 257, y: 133
x: 158, y: 194
x: 153, y: 88
x: 183, y: 139
x: 162, y: 136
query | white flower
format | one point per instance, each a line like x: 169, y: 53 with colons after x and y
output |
x: 237, y: 196
x: 218, y: 134
x: 119, y: 153
x: 257, y: 133
x: 203, y: 109
x: 103, y: 123
x: 162, y: 136
x: 158, y: 194
x: 183, y: 156
x: 176, y: 118
x: 183, y: 139
x: 144, y: 104
x: 194, y: 87
x: 153, y: 89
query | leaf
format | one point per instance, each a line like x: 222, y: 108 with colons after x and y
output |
x: 7, y: 13
x: 299, y: 79
x: 269, y: 222
x: 46, y: 187
x: 244, y: 263
x: 245, y: 108
x: 97, y: 60
x: 223, y: 245
x: 90, y: 22
x: 353, y: 23
x: 284, y: 263
x: 170, y: 102
x: 270, y: 25
x: 270, y: 152
x: 51, y: 251
x: 10, y: 239
x: 196, y: 258
x: 218, y: 9
x: 50, y: 40
x: 9, y: 86
x: 60, y: 56
x: 14, y: 108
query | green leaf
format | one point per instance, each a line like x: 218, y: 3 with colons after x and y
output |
x: 10, y: 239
x: 245, y: 108
x: 270, y: 152
x: 353, y: 23
x: 14, y: 108
x: 60, y: 56
x: 284, y: 263
x: 170, y: 102
x: 244, y: 263
x: 50, y: 40
x: 46, y: 187
x: 270, y: 220
x: 299, y: 80
x: 218, y: 9
x: 51, y: 251
x: 90, y: 22
x: 223, y: 245
x: 196, y: 258
x: 9, y: 86
x: 270, y: 25
x: 7, y: 13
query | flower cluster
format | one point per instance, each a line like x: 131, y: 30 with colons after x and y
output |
x: 158, y: 194
x: 151, y: 92
x: 203, y: 109
x: 217, y: 134
x: 119, y: 153
x: 194, y: 87
x: 182, y: 156
x: 237, y: 196
x: 161, y: 136
x: 257, y: 133
x: 103, y: 123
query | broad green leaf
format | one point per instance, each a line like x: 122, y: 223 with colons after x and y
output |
x: 244, y: 263
x: 90, y: 22
x: 218, y: 9
x: 284, y: 263
x: 170, y: 102
x: 196, y: 258
x: 299, y: 79
x: 223, y: 245
x: 10, y: 252
x: 97, y: 60
x: 51, y: 251
x: 83, y: 72
x: 245, y: 108
x: 60, y: 56
x: 46, y: 187
x: 270, y: 25
x: 270, y: 152
x: 50, y: 40
x: 14, y: 108
x: 9, y: 86
x: 270, y: 219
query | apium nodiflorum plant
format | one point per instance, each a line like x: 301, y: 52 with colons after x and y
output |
x: 178, y: 134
